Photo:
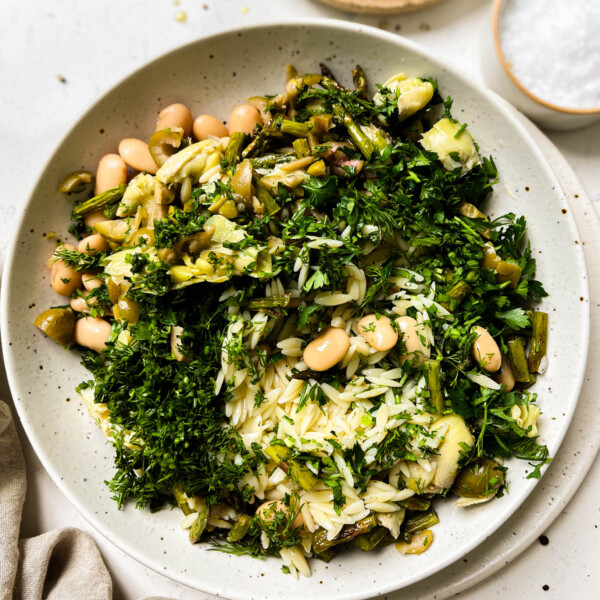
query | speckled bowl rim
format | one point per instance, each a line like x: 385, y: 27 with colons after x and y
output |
x: 505, y: 66
x: 11, y: 264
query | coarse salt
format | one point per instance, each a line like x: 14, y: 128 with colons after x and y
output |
x: 553, y: 48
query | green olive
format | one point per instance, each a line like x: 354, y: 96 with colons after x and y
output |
x: 76, y: 182
x: 490, y: 258
x: 480, y: 479
x: 507, y: 271
x: 127, y: 310
x: 58, y: 324
x: 467, y: 209
x: 163, y: 143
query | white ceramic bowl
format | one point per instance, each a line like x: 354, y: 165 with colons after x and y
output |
x: 212, y: 75
x: 500, y: 78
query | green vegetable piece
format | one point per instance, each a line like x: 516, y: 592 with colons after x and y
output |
x: 236, y: 144
x: 299, y: 130
x: 240, y: 529
x: 518, y: 360
x: 416, y: 503
x: 420, y: 522
x: 199, y: 525
x: 270, y: 302
x: 539, y: 341
x: 301, y: 147
x: 264, y: 196
x: 181, y: 500
x: 326, y: 555
x: 279, y: 453
x: 357, y: 135
x: 58, y: 324
x: 301, y: 474
x: 268, y: 161
x: 482, y: 478
x: 360, y: 82
x: 457, y: 293
x: 434, y: 383
x: 348, y: 533
x: 369, y: 541
x: 100, y: 200
x: 75, y: 182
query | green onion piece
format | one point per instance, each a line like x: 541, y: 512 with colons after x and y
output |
x: 349, y: 532
x: 237, y: 141
x: 264, y: 196
x: 369, y: 541
x: 301, y: 147
x: 100, y: 200
x: 539, y: 341
x: 360, y: 82
x: 421, y: 522
x: 518, y: 360
x: 240, y: 528
x: 181, y: 500
x: 270, y: 302
x: 416, y: 503
x: 300, y: 473
x: 326, y: 555
x: 270, y: 160
x: 434, y: 383
x: 199, y: 525
x: 299, y: 130
x: 457, y: 293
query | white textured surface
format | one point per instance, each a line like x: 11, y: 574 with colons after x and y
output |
x: 553, y: 49
x: 93, y: 46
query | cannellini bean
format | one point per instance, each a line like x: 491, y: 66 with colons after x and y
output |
x: 206, y: 125
x: 111, y: 172
x: 64, y: 279
x: 327, y: 349
x: 456, y: 435
x: 486, y: 351
x: 92, y: 332
x: 93, y: 243
x: 244, y: 118
x: 94, y: 217
x: 378, y: 332
x: 80, y: 304
x: 136, y: 154
x: 175, y: 115
x: 267, y: 510
x: 91, y: 281
x: 50, y: 260
x: 505, y: 376
x: 412, y: 340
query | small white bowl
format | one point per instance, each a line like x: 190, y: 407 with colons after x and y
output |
x: 499, y: 77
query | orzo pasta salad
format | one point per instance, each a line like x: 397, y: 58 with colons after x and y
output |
x: 302, y: 328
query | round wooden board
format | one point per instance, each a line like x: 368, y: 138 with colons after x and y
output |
x: 380, y: 7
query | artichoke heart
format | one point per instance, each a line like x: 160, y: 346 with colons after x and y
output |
x: 138, y: 192
x: 192, y: 161
x: 453, y: 145
x: 413, y: 94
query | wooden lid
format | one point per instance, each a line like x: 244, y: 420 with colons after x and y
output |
x: 380, y: 7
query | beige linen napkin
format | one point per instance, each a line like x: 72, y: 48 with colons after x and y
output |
x: 63, y: 564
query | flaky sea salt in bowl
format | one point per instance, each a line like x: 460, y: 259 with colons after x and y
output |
x: 544, y: 57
